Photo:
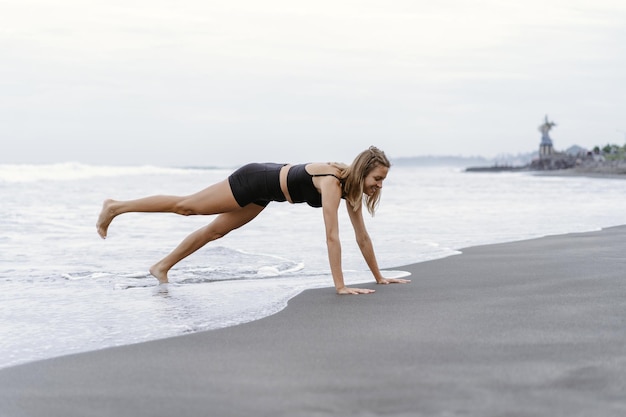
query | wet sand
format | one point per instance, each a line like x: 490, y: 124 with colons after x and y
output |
x: 531, y: 328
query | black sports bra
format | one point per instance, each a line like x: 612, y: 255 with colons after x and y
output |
x: 301, y: 188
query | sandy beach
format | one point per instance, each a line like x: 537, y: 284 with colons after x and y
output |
x: 530, y: 328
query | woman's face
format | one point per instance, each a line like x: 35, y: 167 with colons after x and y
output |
x: 374, y: 180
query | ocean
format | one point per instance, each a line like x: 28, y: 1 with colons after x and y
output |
x: 64, y: 290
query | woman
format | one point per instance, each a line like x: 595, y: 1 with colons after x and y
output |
x: 248, y: 190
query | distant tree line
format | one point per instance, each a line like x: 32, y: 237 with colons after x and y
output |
x: 611, y: 151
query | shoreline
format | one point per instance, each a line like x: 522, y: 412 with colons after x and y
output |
x: 575, y: 172
x: 532, y: 327
x: 591, y: 171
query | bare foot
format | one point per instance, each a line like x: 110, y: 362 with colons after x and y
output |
x: 105, y: 218
x: 159, y: 273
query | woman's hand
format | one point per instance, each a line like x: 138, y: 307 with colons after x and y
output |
x: 346, y: 290
x: 386, y: 281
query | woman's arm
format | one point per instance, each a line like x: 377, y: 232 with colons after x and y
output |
x: 331, y: 197
x: 367, y: 248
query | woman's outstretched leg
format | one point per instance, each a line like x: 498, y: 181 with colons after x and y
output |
x: 218, y: 198
x: 222, y: 225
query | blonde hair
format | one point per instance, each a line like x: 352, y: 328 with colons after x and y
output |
x: 353, y: 177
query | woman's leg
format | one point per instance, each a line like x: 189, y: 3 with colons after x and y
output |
x: 222, y: 225
x: 217, y: 198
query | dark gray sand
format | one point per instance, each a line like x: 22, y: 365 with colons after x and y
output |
x: 532, y: 328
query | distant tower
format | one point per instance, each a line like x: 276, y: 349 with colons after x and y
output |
x: 545, y: 147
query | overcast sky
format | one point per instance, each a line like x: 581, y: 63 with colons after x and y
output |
x: 204, y: 82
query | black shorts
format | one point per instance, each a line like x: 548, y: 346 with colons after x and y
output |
x: 257, y: 183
